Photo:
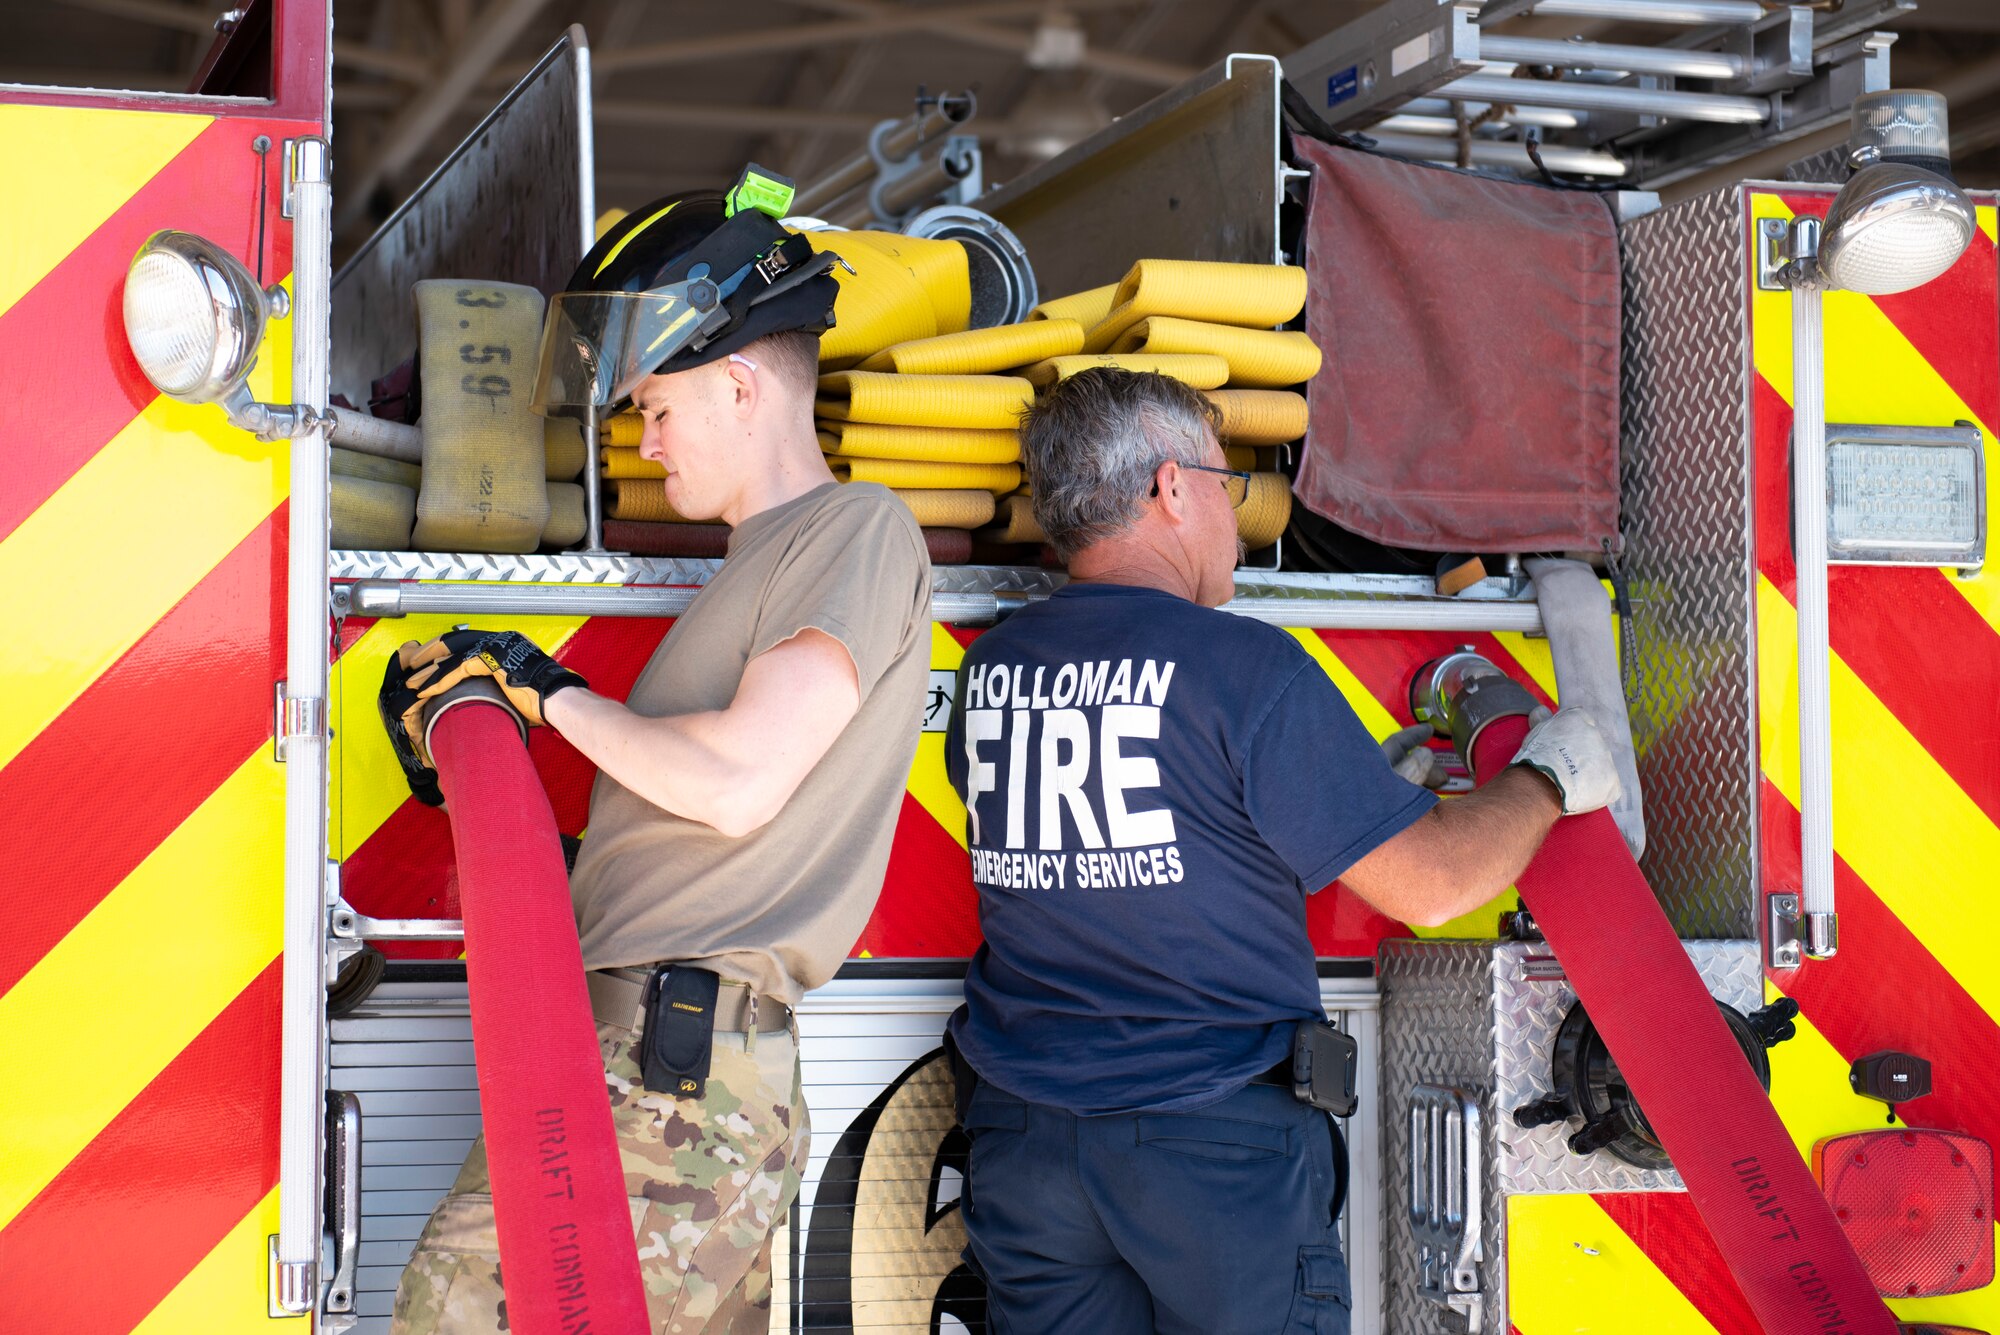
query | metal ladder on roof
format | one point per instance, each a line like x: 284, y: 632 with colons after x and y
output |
x: 1432, y: 79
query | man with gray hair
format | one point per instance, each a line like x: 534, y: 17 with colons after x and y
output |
x: 1152, y: 789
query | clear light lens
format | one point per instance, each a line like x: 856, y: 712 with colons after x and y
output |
x: 1903, y: 123
x: 194, y: 316
x: 170, y: 322
x: 1893, y: 227
x: 1901, y: 496
x: 1895, y: 254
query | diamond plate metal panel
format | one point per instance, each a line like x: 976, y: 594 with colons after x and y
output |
x: 519, y: 569
x: 1437, y: 1030
x: 1689, y: 552
x: 1482, y: 1016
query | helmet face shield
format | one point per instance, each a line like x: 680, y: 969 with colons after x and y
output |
x: 598, y: 346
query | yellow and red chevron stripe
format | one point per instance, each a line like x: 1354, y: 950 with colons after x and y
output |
x: 142, y: 550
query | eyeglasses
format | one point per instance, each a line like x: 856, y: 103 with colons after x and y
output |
x: 1235, y: 484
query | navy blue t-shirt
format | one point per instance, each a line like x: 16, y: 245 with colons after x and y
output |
x: 1152, y: 789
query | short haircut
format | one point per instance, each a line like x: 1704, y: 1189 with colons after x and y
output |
x: 790, y: 354
x: 1093, y: 443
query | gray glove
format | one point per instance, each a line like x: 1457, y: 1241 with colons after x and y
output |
x: 1411, y: 759
x: 1568, y: 750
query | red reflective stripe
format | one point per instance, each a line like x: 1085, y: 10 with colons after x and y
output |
x: 928, y: 907
x: 97, y: 790
x: 1771, y: 485
x: 126, y: 1220
x: 1932, y: 1015
x: 1340, y: 922
x: 1910, y: 637
x: 1669, y: 1231
x: 68, y: 382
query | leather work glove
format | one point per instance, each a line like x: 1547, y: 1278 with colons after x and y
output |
x: 1567, y: 749
x: 403, y: 718
x: 514, y: 663
x: 421, y: 674
x: 1411, y: 759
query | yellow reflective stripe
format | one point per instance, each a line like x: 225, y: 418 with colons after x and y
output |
x: 224, y: 1293
x: 72, y: 168
x: 164, y: 953
x: 125, y: 539
x: 1809, y: 1088
x: 1572, y: 1270
x: 1899, y: 820
x: 626, y: 239
x: 1989, y: 221
x: 1534, y: 657
x: 929, y: 783
x: 368, y: 784
x: 1379, y: 721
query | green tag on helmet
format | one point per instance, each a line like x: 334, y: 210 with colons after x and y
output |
x: 763, y: 190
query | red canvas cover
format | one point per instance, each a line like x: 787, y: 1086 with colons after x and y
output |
x: 1468, y: 400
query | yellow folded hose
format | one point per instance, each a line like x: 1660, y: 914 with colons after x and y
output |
x: 933, y: 444
x: 949, y: 509
x: 1203, y: 372
x: 373, y: 467
x: 985, y: 401
x: 484, y: 487
x: 980, y: 351
x: 627, y: 463
x: 562, y: 448
x: 1265, y: 511
x: 1258, y: 416
x: 635, y: 498
x: 1086, y: 308
x: 622, y: 430
x: 1242, y: 458
x: 1258, y: 358
x: 902, y: 288
x: 1240, y: 294
x: 371, y: 516
x: 1016, y: 523
x: 565, y: 524
x: 902, y: 474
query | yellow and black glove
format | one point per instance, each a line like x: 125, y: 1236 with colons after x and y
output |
x: 420, y: 674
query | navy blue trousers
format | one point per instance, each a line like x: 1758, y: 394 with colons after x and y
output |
x: 1204, y: 1223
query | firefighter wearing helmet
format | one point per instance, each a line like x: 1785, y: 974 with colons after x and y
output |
x: 747, y: 789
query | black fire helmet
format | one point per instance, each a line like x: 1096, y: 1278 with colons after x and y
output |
x: 686, y: 280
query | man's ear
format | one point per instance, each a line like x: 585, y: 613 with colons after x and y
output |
x: 744, y: 387
x: 1171, y: 483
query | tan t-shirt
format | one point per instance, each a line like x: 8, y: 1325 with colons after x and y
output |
x: 780, y: 907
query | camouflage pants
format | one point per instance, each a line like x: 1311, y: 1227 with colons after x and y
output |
x: 709, y: 1182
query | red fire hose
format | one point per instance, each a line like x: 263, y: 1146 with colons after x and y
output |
x: 1767, y: 1215
x: 566, y: 1247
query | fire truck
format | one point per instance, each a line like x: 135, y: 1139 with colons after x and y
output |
x: 233, y: 1008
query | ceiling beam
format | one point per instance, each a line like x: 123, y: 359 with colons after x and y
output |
x: 961, y: 21
x: 739, y: 119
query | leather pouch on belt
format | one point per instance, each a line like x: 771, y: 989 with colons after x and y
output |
x: 680, y: 1031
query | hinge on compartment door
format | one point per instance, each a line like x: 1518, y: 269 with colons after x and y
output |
x: 1447, y: 1208
x: 294, y: 716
